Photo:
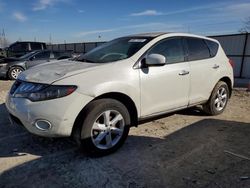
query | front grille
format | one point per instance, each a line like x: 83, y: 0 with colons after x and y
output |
x: 15, y: 86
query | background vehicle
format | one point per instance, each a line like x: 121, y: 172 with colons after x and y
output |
x: 2, y: 53
x: 12, y: 67
x: 98, y: 97
x: 19, y: 49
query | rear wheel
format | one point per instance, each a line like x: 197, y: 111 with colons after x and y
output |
x: 14, y: 72
x: 218, y: 99
x: 105, y: 127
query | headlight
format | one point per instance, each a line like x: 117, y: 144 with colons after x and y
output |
x: 3, y: 64
x: 40, y: 92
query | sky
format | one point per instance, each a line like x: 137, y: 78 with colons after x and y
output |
x: 61, y: 21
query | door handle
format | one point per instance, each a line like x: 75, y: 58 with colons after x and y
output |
x: 216, y: 66
x: 183, y: 72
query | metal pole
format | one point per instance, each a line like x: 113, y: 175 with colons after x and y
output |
x: 243, y: 55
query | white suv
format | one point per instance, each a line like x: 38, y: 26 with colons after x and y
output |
x: 99, y: 96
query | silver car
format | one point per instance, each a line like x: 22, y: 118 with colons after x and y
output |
x: 11, y: 67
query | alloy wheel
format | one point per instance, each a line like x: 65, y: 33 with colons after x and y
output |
x: 220, y: 99
x: 107, y: 129
x: 15, y: 72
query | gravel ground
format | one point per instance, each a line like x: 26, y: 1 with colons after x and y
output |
x: 183, y: 149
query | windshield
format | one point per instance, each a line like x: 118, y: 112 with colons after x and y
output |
x: 115, y: 50
x: 27, y: 55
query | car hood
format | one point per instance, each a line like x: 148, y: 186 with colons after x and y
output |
x: 51, y: 72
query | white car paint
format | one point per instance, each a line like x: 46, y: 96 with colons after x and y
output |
x: 159, y: 90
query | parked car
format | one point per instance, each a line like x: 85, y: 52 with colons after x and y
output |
x: 98, y: 97
x: 19, y: 49
x: 12, y: 67
x: 2, y: 53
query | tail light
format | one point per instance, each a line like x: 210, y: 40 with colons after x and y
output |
x: 231, y: 62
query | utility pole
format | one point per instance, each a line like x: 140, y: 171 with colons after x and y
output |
x: 1, y: 41
x: 4, y: 40
x: 50, y: 39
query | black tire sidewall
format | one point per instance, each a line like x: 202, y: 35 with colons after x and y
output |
x: 92, y: 112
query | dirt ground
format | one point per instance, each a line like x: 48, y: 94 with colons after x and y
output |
x: 183, y: 149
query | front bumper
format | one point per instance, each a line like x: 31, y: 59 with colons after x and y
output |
x: 3, y: 70
x: 61, y: 113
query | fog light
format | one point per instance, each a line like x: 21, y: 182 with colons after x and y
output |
x: 43, y: 125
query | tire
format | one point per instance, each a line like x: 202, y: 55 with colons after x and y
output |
x: 14, y: 72
x: 96, y: 134
x: 218, y: 99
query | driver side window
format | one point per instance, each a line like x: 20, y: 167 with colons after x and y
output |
x: 42, y: 55
x: 172, y: 49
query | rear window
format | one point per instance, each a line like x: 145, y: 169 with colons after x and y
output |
x: 19, y: 47
x: 36, y: 46
x: 213, y: 47
x: 197, y: 49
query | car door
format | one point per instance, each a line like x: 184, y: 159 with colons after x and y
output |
x: 164, y: 88
x: 202, y: 70
x: 39, y: 58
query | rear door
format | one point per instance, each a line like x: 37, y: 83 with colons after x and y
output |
x: 203, y: 69
x: 166, y: 87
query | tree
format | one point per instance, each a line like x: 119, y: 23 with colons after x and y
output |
x: 246, y: 27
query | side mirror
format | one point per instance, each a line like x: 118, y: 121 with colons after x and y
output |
x: 155, y: 59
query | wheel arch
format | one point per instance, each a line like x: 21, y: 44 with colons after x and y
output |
x: 121, y: 97
x: 228, y: 81
x: 17, y: 65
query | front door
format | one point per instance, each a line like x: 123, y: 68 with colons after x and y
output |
x: 164, y: 88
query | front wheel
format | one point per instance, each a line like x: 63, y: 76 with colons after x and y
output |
x: 14, y: 72
x: 218, y: 99
x: 105, y: 127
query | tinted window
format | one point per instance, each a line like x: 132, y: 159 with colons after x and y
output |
x: 42, y: 55
x: 57, y: 54
x: 19, y: 47
x: 36, y: 46
x: 61, y: 54
x: 171, y: 48
x: 213, y: 47
x: 43, y: 46
x: 197, y: 49
x: 27, y: 55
